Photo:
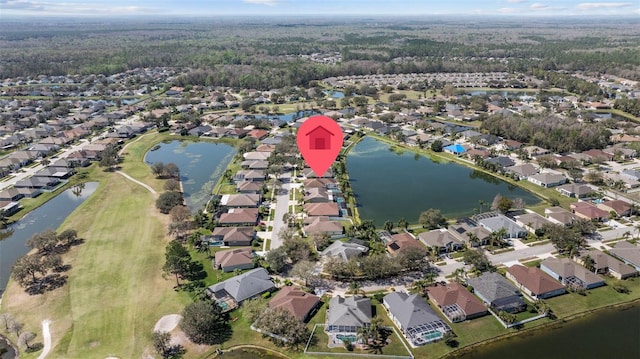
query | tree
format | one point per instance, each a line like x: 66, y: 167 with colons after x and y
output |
x: 157, y: 169
x: 297, y: 248
x: 413, y: 258
x: 167, y: 200
x: 402, y: 223
x: 519, y: 203
x: 277, y: 259
x: 432, y: 219
x: 304, y: 270
x: 388, y: 226
x: 24, y: 270
x: 45, y: 242
x: 496, y: 202
x: 450, y: 339
x: 171, y: 170
x: 589, y: 263
x: 252, y: 308
x: 321, y: 240
x: 68, y: 236
x: 436, y: 146
x: 281, y: 323
x: 204, y: 323
x: 172, y: 185
x: 507, y: 317
x: 477, y: 259
x: 109, y: 157
x: 594, y: 177
x: 177, y: 261
x: 162, y: 342
x: 504, y: 205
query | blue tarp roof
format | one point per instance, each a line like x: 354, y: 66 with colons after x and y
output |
x: 457, y: 148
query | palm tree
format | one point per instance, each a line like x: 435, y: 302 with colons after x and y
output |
x: 589, y: 263
x: 459, y: 274
x: 402, y: 223
x: 473, y: 239
x: 388, y: 226
x: 354, y: 287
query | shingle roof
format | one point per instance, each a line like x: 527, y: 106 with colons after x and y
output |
x: 627, y: 251
x: 493, y: 286
x: 245, y: 285
x: 234, y: 257
x: 344, y: 250
x: 352, y: 311
x: 410, y: 310
x: 567, y: 268
x: 603, y: 260
x: 455, y: 293
x: 294, y: 300
x: 534, y: 279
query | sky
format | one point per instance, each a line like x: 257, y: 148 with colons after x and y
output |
x: 122, y: 8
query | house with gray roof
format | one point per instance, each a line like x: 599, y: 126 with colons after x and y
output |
x: 440, y: 238
x: 499, y: 221
x: 497, y: 292
x: 547, y: 179
x: 575, y: 190
x: 627, y: 252
x: 570, y: 273
x: 523, y: 171
x: 531, y: 221
x: 344, y: 250
x: 415, y: 318
x: 346, y: 315
x: 606, y: 264
x: 230, y: 293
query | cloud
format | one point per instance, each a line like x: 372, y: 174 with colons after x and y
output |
x: 23, y: 5
x: 507, y: 10
x: 516, y: 1
x: 262, y: 2
x: 601, y: 5
x: 539, y: 6
x: 70, y: 8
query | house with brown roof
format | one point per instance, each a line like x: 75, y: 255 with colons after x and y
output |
x: 531, y: 221
x: 321, y: 224
x: 231, y: 259
x: 258, y: 134
x: 330, y: 209
x: 239, y: 217
x: 234, y: 236
x: 621, y: 208
x: 320, y: 183
x: 606, y: 264
x: 589, y: 211
x: 316, y: 195
x: 534, y: 282
x: 522, y: 171
x: 296, y: 301
x: 249, y: 187
x: 400, y: 241
x: 473, y: 236
x: 456, y: 302
x: 240, y: 200
x: 559, y: 215
x: 628, y: 253
x: 440, y: 238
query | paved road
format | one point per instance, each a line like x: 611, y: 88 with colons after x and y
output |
x: 282, y: 207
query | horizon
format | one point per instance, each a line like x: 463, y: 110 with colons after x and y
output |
x: 333, y: 8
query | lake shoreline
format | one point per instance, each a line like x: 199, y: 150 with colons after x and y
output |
x: 539, y: 328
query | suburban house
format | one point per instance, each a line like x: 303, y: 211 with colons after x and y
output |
x: 455, y: 149
x: 456, y: 302
x: 346, y: 315
x: 570, y: 273
x: 523, y: 171
x: 9, y: 207
x: 249, y: 187
x: 316, y: 195
x: 559, y: 215
x: 547, y: 179
x: 10, y: 194
x: 327, y: 183
x: 231, y: 259
x: 534, y: 282
x: 621, y: 208
x: 249, y: 175
x: 500, y: 221
x: 256, y: 156
x: 401, y: 241
x: 344, y: 250
x: 441, y: 239
x: 239, y: 217
x: 575, y: 190
x: 415, y: 318
x: 531, y: 221
x: 589, y: 211
x: 296, y: 301
x: 234, y: 236
x: 496, y: 291
x: 628, y: 253
x: 230, y: 293
x: 240, y: 200
x: 473, y: 236
x: 309, y: 173
x: 321, y: 224
x: 330, y: 209
x: 606, y: 264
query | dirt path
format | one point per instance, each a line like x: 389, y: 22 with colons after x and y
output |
x: 46, y: 336
x: 138, y: 182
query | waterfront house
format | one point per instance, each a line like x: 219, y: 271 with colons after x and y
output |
x: 321, y: 224
x: 239, y: 217
x: 619, y: 207
x: 330, y: 209
x: 499, y: 221
x: 589, y: 211
x: 455, y: 149
x: 606, y: 264
x: 473, y: 236
x: 547, y: 179
x: 523, y: 171
x: 456, y: 302
x: 296, y: 301
x: 559, y: 215
x: 570, y: 273
x: 400, y: 241
x: 344, y: 250
x: 417, y: 321
x: 534, y: 282
x: 231, y: 259
x: 531, y: 221
x: 627, y: 252
x: 497, y: 292
x: 234, y: 236
x: 575, y: 190
x: 240, y: 200
x: 441, y: 239
x: 230, y: 293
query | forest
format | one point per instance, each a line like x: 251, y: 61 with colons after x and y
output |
x: 264, y: 53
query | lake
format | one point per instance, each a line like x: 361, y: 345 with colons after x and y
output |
x: 48, y: 216
x: 201, y: 166
x: 287, y: 117
x: 390, y: 186
x: 611, y: 333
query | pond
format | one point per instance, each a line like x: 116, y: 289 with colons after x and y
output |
x: 250, y: 353
x: 48, y: 216
x: 504, y: 94
x: 201, y: 165
x: 335, y: 94
x: 611, y: 333
x: 288, y: 117
x: 390, y: 186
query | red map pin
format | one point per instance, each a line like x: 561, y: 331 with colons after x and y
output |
x: 319, y: 140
